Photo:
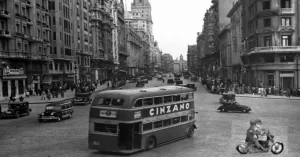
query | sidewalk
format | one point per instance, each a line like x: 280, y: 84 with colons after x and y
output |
x: 262, y: 97
x: 37, y: 99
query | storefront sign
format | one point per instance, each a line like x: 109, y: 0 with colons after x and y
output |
x: 155, y: 111
x: 13, y: 72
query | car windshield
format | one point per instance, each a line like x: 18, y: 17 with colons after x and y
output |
x: 53, y: 107
x: 12, y: 106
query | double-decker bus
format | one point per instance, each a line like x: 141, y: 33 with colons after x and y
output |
x: 132, y: 120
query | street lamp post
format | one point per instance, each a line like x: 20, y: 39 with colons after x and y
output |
x: 75, y: 68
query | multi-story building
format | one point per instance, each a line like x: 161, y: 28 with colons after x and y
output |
x: 167, y: 63
x: 200, y: 54
x: 134, y: 50
x: 115, y: 35
x: 225, y: 52
x: 271, y: 37
x: 192, y: 58
x: 83, y: 41
x: 62, y: 47
x: 234, y: 63
x: 121, y: 37
x: 180, y: 65
x: 102, y: 26
x: 24, y: 46
x: 146, y: 50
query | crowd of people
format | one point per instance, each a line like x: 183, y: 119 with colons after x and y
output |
x: 219, y: 86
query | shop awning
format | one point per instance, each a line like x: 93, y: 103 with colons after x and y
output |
x: 11, y: 77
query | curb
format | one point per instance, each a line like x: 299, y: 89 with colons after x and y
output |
x: 245, y: 96
x: 48, y: 102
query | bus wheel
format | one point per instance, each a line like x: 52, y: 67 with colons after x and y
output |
x: 150, y: 143
x: 191, y: 131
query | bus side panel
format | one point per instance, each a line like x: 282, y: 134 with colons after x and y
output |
x: 103, y: 142
x: 167, y: 134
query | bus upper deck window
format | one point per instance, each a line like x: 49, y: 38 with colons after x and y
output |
x: 176, y: 97
x: 191, y: 96
x: 167, y: 99
x: 148, y: 101
x: 158, y: 100
x: 184, y: 96
x: 138, y: 103
x: 117, y: 102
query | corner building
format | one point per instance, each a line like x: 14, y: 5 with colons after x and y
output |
x: 24, y: 46
x: 271, y: 31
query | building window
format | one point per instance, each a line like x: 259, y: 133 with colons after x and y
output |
x: 18, y: 27
x: 267, y: 22
x: 286, y: 21
x: 287, y: 58
x: 285, y: 3
x: 268, y: 41
x: 54, y: 35
x: 269, y: 58
x: 50, y: 66
x: 286, y: 40
x: 266, y: 5
x: 271, y: 80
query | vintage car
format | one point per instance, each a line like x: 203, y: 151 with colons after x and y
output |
x: 57, y: 111
x: 178, y: 82
x: 190, y: 85
x: 159, y: 77
x: 149, y: 77
x: 170, y: 81
x: 144, y: 79
x: 132, y: 80
x: 140, y: 84
x: 16, y: 110
x: 227, y: 97
x: 82, y: 99
x: 234, y: 106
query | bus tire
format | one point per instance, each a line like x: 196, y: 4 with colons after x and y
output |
x: 150, y: 143
x: 191, y: 132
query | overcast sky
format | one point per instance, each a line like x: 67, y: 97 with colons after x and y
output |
x: 176, y: 23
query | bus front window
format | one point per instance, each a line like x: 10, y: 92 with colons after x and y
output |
x: 117, y: 102
x: 138, y: 103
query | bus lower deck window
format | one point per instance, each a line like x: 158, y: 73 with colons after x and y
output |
x: 175, y: 120
x: 176, y: 97
x: 158, y: 124
x: 148, y: 101
x: 184, y: 96
x: 191, y: 96
x: 167, y: 99
x: 167, y: 122
x: 105, y: 128
x: 147, y: 126
x: 184, y: 118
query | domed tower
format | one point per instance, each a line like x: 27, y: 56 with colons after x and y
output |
x: 181, y: 57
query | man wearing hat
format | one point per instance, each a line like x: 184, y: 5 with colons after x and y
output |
x: 253, y: 133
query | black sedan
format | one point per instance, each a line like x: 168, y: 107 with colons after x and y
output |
x: 234, y: 106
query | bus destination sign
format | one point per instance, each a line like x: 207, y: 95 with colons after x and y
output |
x: 156, y: 111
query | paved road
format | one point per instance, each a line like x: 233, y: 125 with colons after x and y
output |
x: 216, y: 136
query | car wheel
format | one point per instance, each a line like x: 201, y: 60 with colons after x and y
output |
x: 17, y: 115
x: 150, y: 143
x: 191, y: 131
x: 58, y: 119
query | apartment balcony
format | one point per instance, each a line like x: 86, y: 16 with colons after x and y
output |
x: 275, y: 49
x: 40, y: 57
x: 286, y: 11
x: 4, y: 14
x: 14, y: 54
x: 95, y: 18
x: 29, y: 22
x: 265, y: 30
x: 286, y: 29
x: 62, y: 57
x: 5, y: 34
x: 266, y: 13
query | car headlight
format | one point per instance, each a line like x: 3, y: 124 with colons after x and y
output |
x: 52, y: 113
x: 42, y: 114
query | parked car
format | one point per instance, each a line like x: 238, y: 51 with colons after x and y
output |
x: 159, y: 77
x: 144, y: 80
x: 132, y: 80
x: 170, y: 81
x: 57, y: 111
x: 149, y: 77
x: 16, y: 110
x: 82, y: 99
x: 234, y: 106
x: 190, y: 85
x: 178, y: 82
x: 140, y: 84
x: 227, y: 97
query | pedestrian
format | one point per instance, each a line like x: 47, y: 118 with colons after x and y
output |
x: 49, y: 95
x: 107, y: 83
x: 163, y: 80
x: 43, y: 95
x: 62, y: 94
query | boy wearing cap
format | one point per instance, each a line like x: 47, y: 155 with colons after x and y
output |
x: 253, y: 133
